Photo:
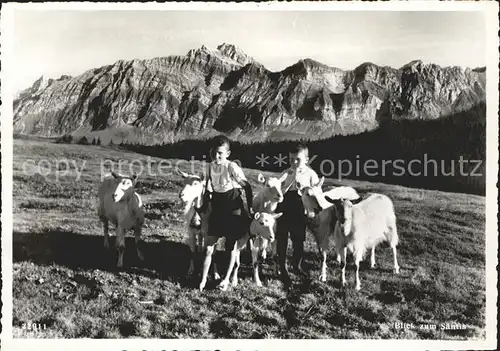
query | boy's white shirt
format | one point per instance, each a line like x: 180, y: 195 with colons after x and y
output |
x: 304, y: 175
x: 225, y: 176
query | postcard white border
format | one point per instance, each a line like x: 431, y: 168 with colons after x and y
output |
x: 490, y: 10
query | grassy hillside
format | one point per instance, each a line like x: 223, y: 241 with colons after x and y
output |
x: 65, y: 280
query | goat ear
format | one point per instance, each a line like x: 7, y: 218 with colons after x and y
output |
x: 278, y: 215
x: 309, y: 192
x: 134, y: 178
x: 261, y: 178
x: 181, y: 173
x: 256, y: 215
x: 356, y: 201
x: 299, y: 191
x: 283, y: 177
x: 330, y: 200
x: 116, y: 176
x: 202, y: 176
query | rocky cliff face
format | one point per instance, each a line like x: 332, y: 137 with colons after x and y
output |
x: 226, y: 90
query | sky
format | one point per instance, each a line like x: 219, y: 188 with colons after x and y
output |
x: 52, y: 43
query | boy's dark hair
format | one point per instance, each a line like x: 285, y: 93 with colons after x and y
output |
x: 220, y: 140
x: 298, y: 148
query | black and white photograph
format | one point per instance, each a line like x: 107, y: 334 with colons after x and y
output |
x: 260, y: 172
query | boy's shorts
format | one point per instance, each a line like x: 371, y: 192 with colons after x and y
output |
x: 228, y: 217
x: 293, y: 219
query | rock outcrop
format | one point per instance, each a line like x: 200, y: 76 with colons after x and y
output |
x: 226, y: 90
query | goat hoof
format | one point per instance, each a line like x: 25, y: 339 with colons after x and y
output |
x: 216, y: 276
x: 258, y: 283
x: 202, y: 286
x: 396, y: 270
x: 358, y: 287
x: 234, y: 283
x: 322, y: 278
x: 223, y: 286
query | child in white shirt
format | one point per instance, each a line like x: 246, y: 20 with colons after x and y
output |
x: 293, y: 220
x: 225, y: 182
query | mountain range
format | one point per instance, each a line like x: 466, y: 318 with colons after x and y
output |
x: 226, y: 90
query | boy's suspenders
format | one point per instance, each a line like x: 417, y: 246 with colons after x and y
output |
x: 209, y: 177
x: 205, y: 195
x: 231, y: 174
x: 294, y: 180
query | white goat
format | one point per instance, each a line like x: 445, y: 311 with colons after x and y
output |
x: 261, y: 232
x: 363, y: 226
x: 321, y: 216
x: 267, y: 199
x: 315, y: 199
x: 120, y: 204
x: 195, y: 213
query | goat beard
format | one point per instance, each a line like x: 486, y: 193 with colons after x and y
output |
x: 346, y: 228
x: 186, y: 206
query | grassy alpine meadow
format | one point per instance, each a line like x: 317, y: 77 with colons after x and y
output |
x: 65, y: 283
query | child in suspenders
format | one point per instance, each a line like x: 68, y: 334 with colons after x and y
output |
x: 225, y: 182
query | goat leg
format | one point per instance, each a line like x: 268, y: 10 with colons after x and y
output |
x: 206, y: 265
x: 138, y: 242
x: 105, y: 226
x: 372, y: 258
x: 322, y: 276
x: 234, y: 280
x: 358, y: 283
x: 344, y: 263
x: 255, y: 262
x: 120, y: 245
x: 223, y: 285
x: 357, y: 259
x: 396, y: 265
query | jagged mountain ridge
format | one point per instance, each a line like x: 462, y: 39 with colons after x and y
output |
x: 226, y: 90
